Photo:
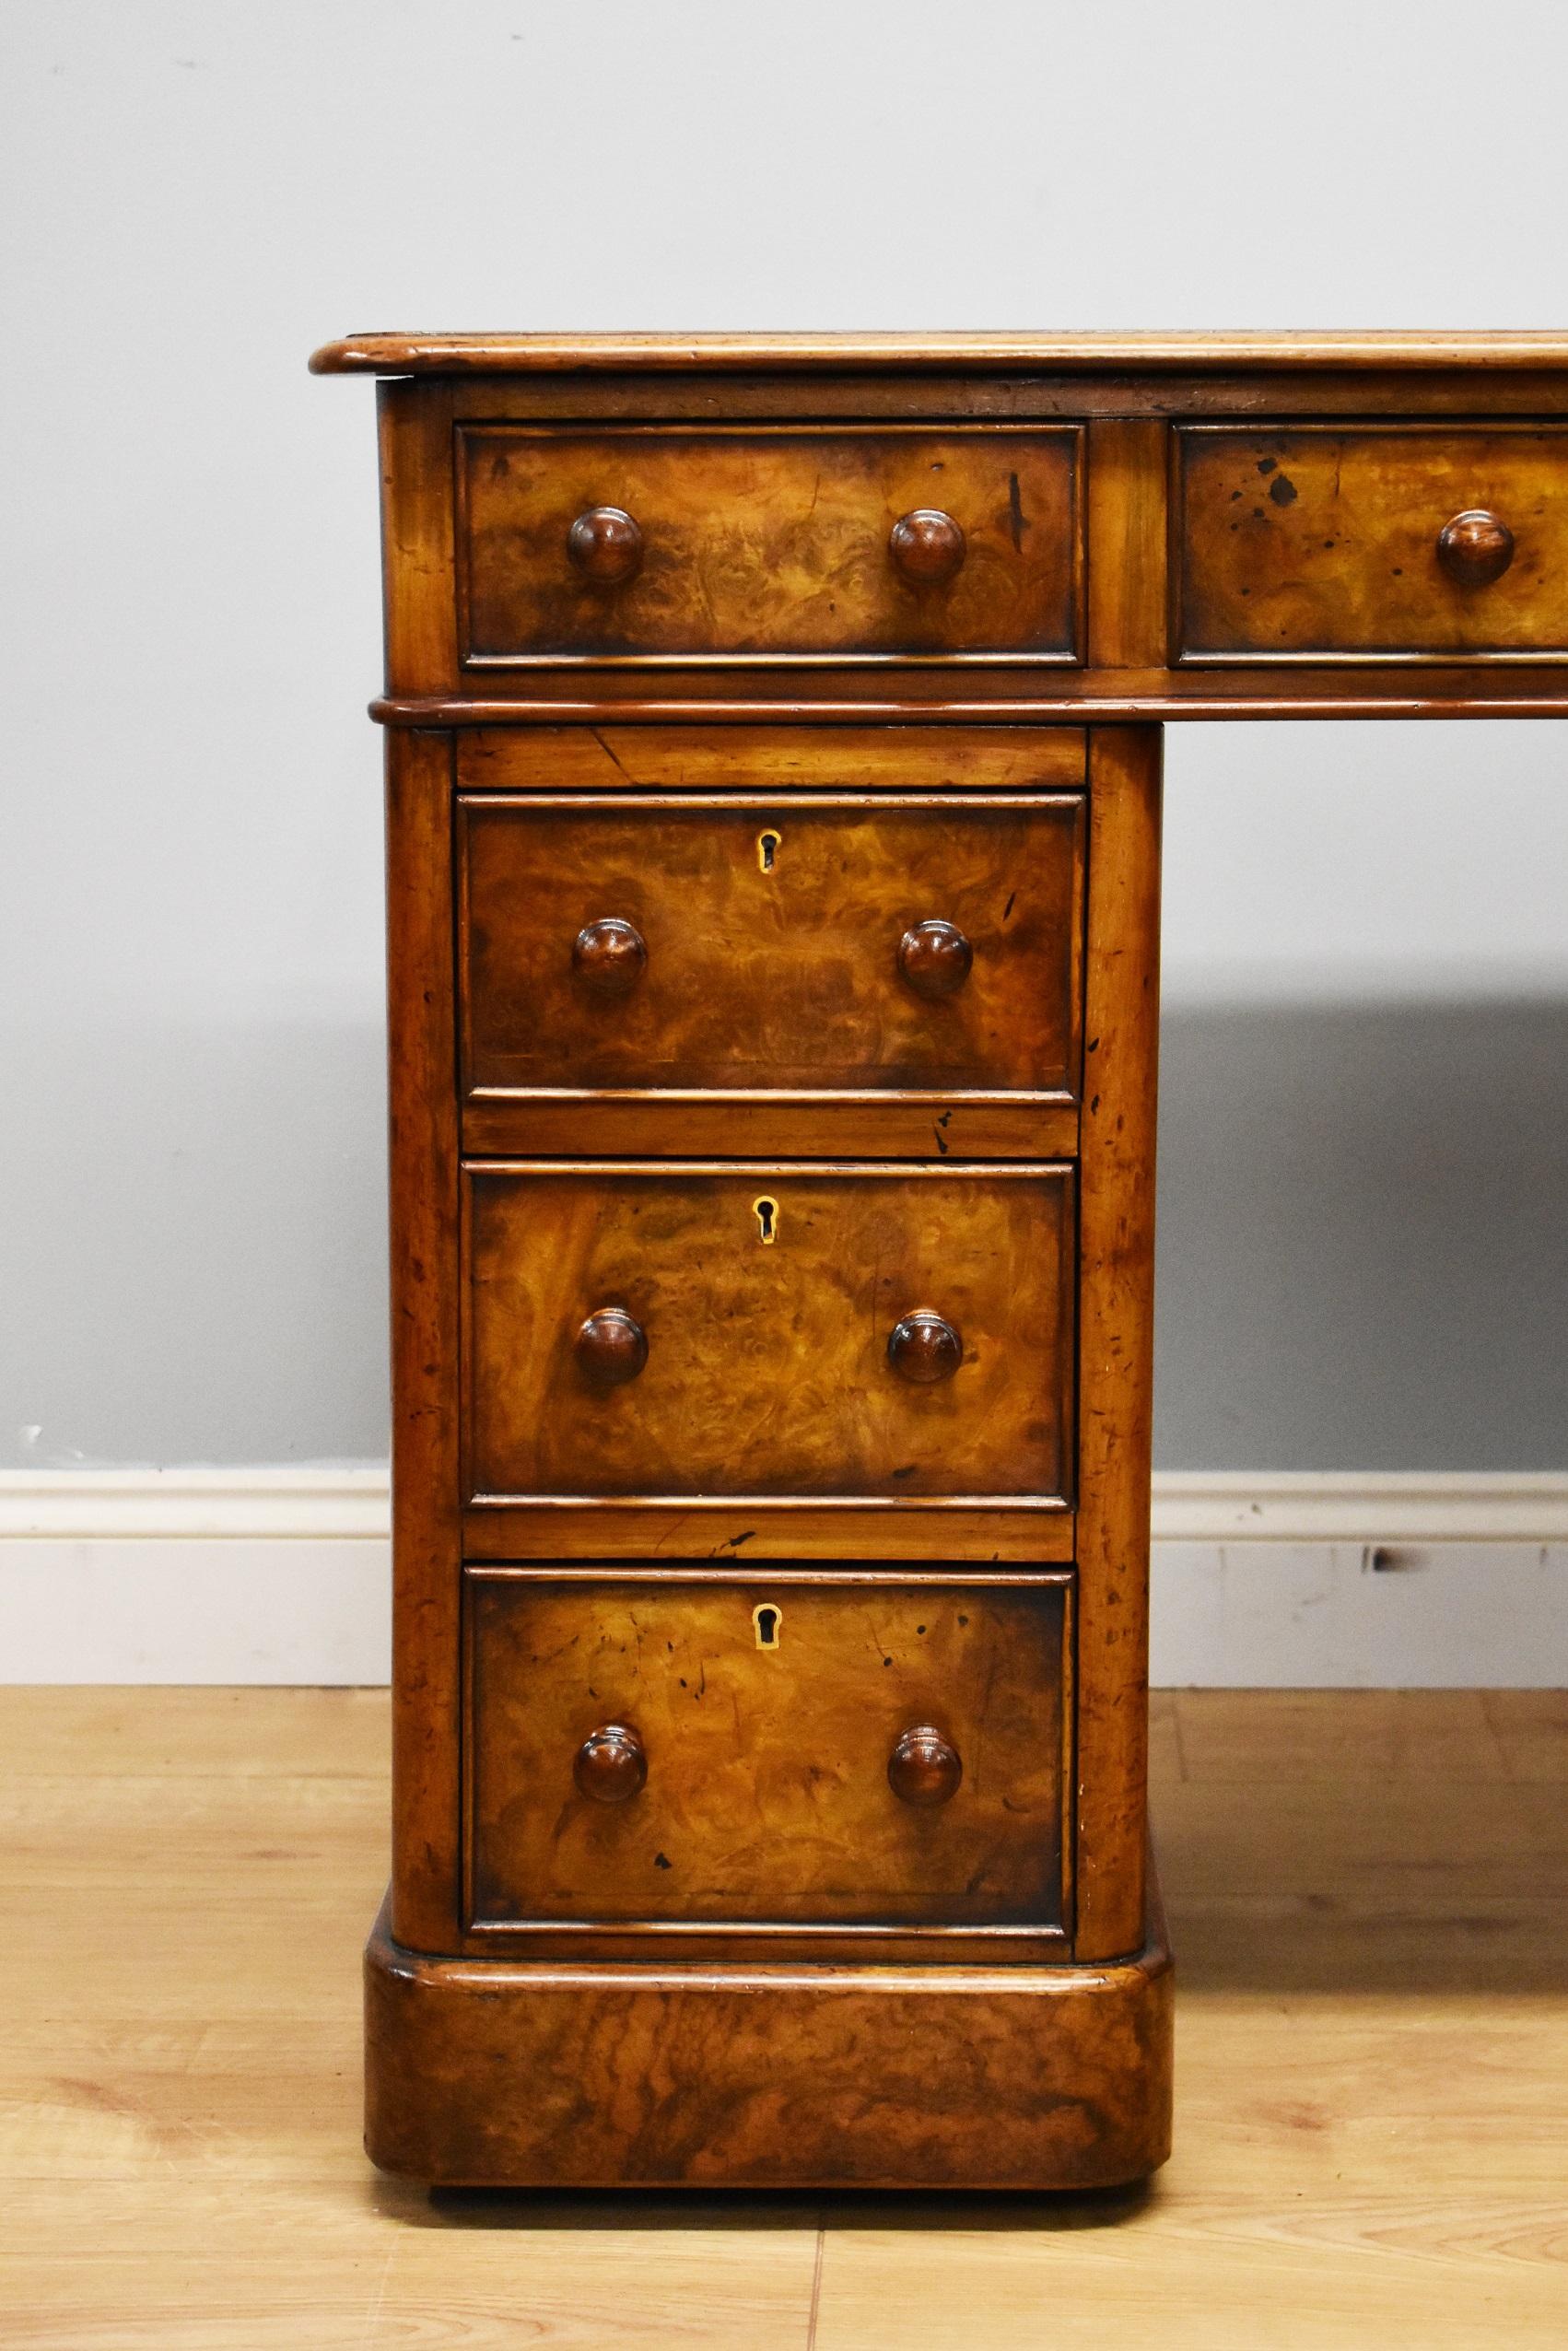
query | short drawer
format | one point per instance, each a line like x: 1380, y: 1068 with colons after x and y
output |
x: 786, y: 1333
x: 834, y: 943
x: 1319, y: 543
x: 786, y: 1750
x: 665, y: 542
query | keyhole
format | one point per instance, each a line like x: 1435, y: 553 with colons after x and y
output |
x: 767, y: 845
x: 766, y: 1213
x: 767, y: 1621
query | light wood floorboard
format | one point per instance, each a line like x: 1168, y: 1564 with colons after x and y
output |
x: 1368, y: 1896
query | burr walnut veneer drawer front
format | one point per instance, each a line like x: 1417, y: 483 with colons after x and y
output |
x: 1316, y: 543
x: 835, y: 1334
x: 838, y: 944
x: 679, y: 544
x: 785, y: 1750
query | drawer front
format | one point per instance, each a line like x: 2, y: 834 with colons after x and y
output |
x: 837, y: 1334
x: 841, y: 944
x: 667, y: 543
x: 658, y: 1750
x: 1321, y: 543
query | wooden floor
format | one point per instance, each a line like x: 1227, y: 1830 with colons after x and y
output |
x: 1368, y: 1897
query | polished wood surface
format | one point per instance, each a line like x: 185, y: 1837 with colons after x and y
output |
x: 1370, y: 1894
x: 756, y: 693
x: 1462, y: 388
x: 1116, y: 1346
x: 1128, y: 525
x: 760, y: 1119
x: 757, y: 1785
x: 422, y: 1149
x: 1364, y: 543
x: 1401, y: 689
x: 768, y: 1370
x: 497, y: 2074
x: 765, y: 1124
x: 1137, y: 668
x: 415, y: 428
x: 770, y: 759
x: 1492, y: 352
x: 841, y: 944
x: 797, y: 545
x: 894, y: 1533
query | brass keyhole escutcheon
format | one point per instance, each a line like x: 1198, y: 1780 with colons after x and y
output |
x: 769, y: 844
x: 766, y: 1211
x: 768, y: 1619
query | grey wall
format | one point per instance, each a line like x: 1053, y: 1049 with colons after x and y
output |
x: 1363, y: 1132
x: 1364, y: 1177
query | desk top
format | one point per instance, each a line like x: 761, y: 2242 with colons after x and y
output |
x: 413, y: 353
x: 1129, y: 527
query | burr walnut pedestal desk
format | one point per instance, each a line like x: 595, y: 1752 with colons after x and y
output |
x: 773, y: 734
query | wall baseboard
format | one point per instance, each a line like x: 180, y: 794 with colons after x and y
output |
x: 1360, y: 1507
x: 1333, y: 1580
x: 178, y: 1505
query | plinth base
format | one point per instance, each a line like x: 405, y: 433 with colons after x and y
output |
x: 484, y: 2073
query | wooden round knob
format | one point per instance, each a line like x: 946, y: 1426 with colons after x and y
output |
x: 611, y: 1347
x: 923, y: 1769
x: 610, y: 1766
x: 606, y: 546
x: 924, y: 1349
x: 1475, y: 549
x: 934, y: 959
x: 610, y: 957
x: 928, y: 547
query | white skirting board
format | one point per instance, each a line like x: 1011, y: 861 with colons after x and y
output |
x: 1316, y: 1581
